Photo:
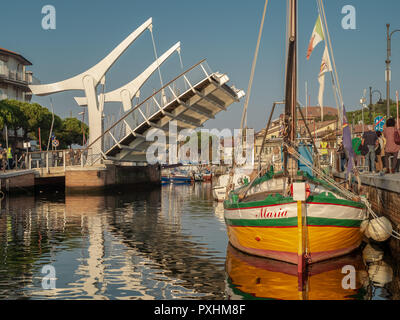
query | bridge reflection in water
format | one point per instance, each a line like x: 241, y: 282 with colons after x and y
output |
x: 163, y: 244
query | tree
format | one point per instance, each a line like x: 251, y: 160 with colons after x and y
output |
x: 12, y: 117
x: 71, y: 132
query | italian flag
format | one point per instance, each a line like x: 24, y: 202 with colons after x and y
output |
x: 316, y: 37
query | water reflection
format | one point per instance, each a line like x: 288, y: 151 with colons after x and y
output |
x: 139, y: 245
x: 250, y: 277
x: 168, y: 243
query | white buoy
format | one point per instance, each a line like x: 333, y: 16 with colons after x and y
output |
x: 363, y: 278
x: 371, y: 254
x: 380, y: 273
x: 379, y: 229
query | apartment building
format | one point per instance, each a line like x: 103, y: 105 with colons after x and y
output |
x: 14, y: 78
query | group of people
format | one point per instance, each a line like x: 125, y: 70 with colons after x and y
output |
x: 10, y: 159
x: 5, y: 158
x: 377, y: 151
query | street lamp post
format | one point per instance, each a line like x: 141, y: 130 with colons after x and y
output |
x: 363, y: 105
x: 388, y: 73
x: 371, y: 92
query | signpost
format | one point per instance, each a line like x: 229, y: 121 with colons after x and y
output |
x: 379, y: 123
x: 55, y: 143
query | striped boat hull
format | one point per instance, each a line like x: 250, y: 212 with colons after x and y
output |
x: 270, y: 231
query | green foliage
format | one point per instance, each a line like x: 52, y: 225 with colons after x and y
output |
x: 32, y: 116
x: 377, y: 110
x: 71, y: 132
x: 11, y: 115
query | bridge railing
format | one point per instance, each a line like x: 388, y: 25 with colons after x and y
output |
x: 59, y: 159
x: 142, y: 112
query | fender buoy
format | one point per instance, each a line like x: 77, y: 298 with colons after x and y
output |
x: 379, y: 229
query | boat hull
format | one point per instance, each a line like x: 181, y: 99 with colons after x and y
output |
x: 219, y: 193
x: 270, y: 231
x: 180, y: 180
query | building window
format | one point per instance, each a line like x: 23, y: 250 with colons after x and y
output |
x: 2, y: 67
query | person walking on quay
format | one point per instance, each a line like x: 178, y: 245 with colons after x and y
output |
x: 4, y: 159
x: 342, y: 156
x: 370, y: 140
x: 9, y: 158
x: 380, y: 151
x: 392, y: 148
x: 356, y: 142
x: 1, y: 155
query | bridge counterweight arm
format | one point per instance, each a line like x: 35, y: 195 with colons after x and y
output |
x: 97, y: 72
x: 126, y: 93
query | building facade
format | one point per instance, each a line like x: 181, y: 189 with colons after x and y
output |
x: 14, y: 78
x: 14, y: 84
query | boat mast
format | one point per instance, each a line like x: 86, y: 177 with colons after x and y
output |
x: 291, y: 86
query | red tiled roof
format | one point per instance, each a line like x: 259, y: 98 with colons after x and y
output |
x: 16, y: 55
x: 316, y: 111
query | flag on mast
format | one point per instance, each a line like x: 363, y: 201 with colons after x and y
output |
x: 326, y: 66
x: 316, y: 37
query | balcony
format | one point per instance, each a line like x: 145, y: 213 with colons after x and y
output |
x: 19, y: 79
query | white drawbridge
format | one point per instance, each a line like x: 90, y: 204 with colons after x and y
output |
x: 190, y: 99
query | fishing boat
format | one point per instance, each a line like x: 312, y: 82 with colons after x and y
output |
x: 207, y: 175
x: 165, y: 176
x: 219, y: 190
x: 198, y: 176
x: 180, y: 177
x: 262, y: 217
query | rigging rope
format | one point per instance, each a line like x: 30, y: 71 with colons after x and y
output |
x: 246, y: 104
x: 253, y: 68
x: 348, y: 194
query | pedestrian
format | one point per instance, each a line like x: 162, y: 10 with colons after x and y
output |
x: 1, y: 155
x: 380, y: 151
x: 324, y: 151
x: 370, y: 140
x: 398, y: 163
x: 342, y: 156
x: 4, y: 160
x: 10, y: 158
x: 22, y: 160
x: 356, y: 142
x: 392, y: 148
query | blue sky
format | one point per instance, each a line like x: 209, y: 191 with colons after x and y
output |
x: 223, y: 31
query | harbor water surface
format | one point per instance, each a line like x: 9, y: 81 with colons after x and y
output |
x: 167, y: 243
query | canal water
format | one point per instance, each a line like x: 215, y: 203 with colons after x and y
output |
x: 168, y: 243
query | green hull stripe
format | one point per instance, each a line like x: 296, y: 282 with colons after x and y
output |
x: 270, y: 201
x: 292, y: 222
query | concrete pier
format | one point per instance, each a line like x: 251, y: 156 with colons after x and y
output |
x: 17, y: 181
x: 97, y: 178
x: 76, y: 179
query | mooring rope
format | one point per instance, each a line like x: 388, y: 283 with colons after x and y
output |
x: 348, y: 194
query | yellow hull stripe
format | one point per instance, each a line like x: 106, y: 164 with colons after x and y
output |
x: 319, y: 239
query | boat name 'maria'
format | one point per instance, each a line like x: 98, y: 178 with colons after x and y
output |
x: 268, y: 214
